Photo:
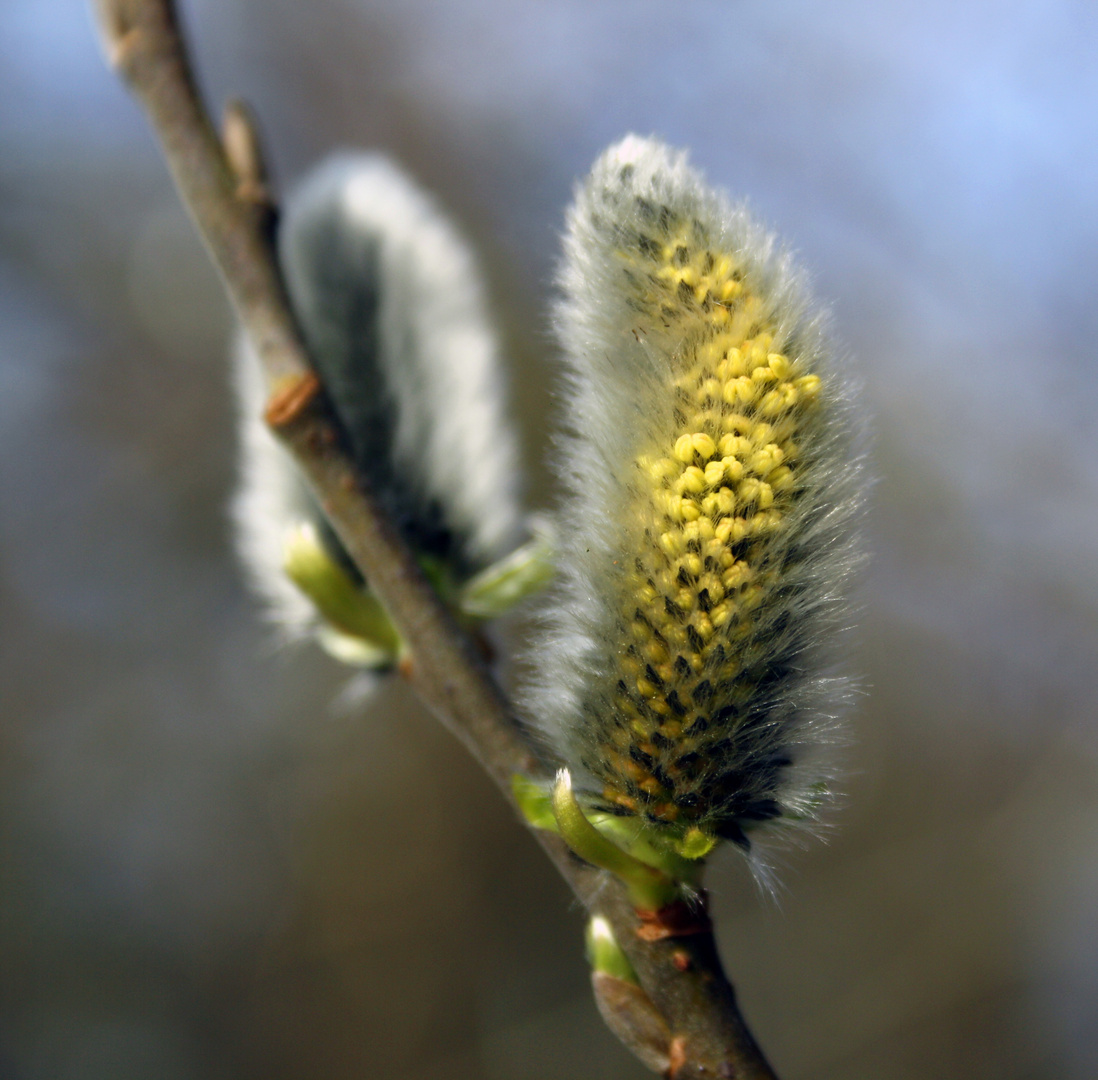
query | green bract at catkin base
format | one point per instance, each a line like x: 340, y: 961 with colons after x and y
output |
x: 707, y: 536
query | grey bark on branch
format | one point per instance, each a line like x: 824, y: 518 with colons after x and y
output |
x: 221, y: 180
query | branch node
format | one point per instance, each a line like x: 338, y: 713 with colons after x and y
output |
x: 244, y: 153
x: 677, y: 919
x: 291, y: 398
x: 121, y: 49
x: 114, y: 27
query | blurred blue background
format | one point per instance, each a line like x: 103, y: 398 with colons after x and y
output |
x: 209, y: 870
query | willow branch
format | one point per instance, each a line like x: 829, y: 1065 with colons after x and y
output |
x: 221, y: 180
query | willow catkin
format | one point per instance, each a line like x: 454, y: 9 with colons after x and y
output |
x: 707, y: 535
x: 391, y: 305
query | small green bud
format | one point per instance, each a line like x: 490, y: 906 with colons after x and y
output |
x: 499, y: 587
x: 357, y: 629
x: 604, y: 954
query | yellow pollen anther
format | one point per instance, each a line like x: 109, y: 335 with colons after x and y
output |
x: 740, y: 391
x: 781, y: 479
x: 704, y: 626
x: 765, y: 460
x: 714, y: 472
x: 735, y: 576
x: 734, y: 364
x: 663, y: 468
x: 721, y: 614
x: 771, y: 404
x: 736, y: 422
x: 779, y: 365
x: 684, y: 448
x: 671, y: 543
x: 733, y: 468
x: 691, y: 563
x: 734, y: 445
x: 704, y: 445
x: 693, y: 480
x: 764, y: 522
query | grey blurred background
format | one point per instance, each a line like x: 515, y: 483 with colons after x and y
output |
x: 208, y: 870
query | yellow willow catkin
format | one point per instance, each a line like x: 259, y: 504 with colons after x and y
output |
x: 707, y: 535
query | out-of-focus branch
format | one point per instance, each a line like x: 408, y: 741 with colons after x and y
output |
x: 222, y: 181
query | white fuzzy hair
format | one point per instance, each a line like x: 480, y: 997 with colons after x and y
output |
x: 620, y: 351
x: 271, y: 500
x: 391, y: 305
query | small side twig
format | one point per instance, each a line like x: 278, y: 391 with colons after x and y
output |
x: 222, y: 181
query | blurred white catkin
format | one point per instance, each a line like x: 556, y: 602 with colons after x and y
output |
x: 392, y: 309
